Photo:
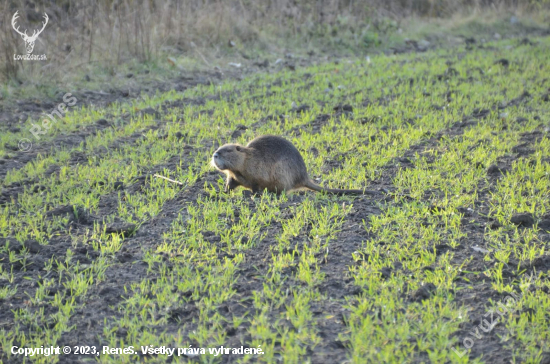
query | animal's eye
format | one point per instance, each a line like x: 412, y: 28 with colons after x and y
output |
x: 238, y: 149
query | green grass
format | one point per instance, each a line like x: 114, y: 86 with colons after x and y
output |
x: 257, y: 266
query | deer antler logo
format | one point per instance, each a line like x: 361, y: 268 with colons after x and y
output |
x: 29, y: 40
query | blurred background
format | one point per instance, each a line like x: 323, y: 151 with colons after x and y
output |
x: 94, y: 43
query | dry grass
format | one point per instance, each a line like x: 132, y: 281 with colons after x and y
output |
x: 112, y: 32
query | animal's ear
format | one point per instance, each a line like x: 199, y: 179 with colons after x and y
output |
x: 238, y: 148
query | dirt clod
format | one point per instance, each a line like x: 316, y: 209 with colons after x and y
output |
x: 301, y: 108
x: 33, y: 246
x: 544, y: 224
x: 503, y: 62
x: 343, y: 108
x: 121, y: 228
x: 495, y: 225
x: 239, y: 130
x: 61, y: 211
x: 545, y: 358
x: 424, y: 292
x: 263, y: 64
x: 386, y: 272
x: 493, y: 169
x: 523, y: 219
x: 150, y: 111
x: 541, y: 262
x: 125, y: 258
x: 13, y: 245
x: 107, y: 291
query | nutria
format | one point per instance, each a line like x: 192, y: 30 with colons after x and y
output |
x: 267, y: 162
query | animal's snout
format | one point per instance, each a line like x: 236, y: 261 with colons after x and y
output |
x: 216, y: 155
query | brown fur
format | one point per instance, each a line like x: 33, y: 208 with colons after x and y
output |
x: 267, y: 162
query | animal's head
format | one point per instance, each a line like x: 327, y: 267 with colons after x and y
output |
x: 29, y: 39
x: 229, y: 157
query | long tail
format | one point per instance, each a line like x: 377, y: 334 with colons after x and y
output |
x: 315, y: 187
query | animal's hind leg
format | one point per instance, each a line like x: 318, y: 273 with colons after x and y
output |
x: 231, y: 184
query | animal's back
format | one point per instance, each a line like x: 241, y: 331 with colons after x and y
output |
x: 285, y: 165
